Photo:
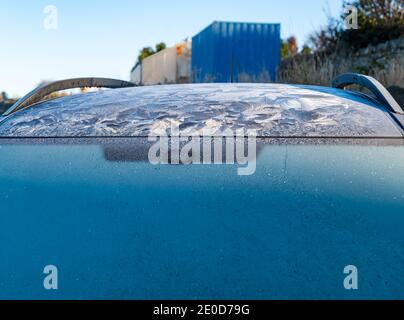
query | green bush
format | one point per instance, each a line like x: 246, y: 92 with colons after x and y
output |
x: 378, y: 21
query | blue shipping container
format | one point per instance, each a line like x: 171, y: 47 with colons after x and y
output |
x: 236, y: 52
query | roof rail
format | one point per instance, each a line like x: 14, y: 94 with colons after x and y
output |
x: 381, y: 93
x: 41, y: 92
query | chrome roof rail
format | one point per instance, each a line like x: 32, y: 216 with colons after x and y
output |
x: 41, y: 92
x: 382, y: 95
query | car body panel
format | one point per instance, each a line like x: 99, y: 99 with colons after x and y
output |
x: 272, y: 110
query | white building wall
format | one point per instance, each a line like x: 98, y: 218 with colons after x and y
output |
x: 169, y: 66
x: 160, y: 68
x: 136, y: 75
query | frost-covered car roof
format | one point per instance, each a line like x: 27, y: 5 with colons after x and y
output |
x: 273, y: 110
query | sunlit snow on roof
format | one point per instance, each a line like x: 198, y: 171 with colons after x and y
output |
x: 273, y: 110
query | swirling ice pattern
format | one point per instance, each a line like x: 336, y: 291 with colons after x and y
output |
x: 272, y: 110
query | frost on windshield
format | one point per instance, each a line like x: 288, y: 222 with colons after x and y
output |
x: 272, y: 110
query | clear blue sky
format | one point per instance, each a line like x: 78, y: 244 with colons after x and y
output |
x: 102, y: 38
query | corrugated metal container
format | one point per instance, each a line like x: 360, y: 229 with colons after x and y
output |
x: 169, y: 66
x: 236, y: 52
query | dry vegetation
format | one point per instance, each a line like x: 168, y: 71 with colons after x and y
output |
x: 320, y: 69
x: 376, y: 49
